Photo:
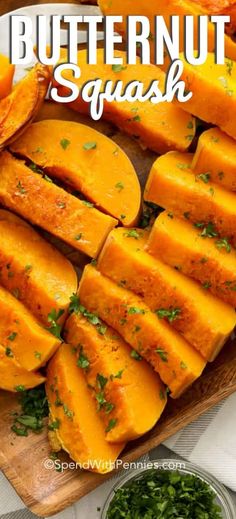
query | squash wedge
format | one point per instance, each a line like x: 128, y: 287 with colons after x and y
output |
x: 80, y: 162
x: 22, y: 104
x: 166, y: 8
x: 180, y: 245
x: 81, y: 431
x: 49, y: 206
x: 160, y: 127
x: 126, y: 391
x: 6, y: 76
x: 200, y: 201
x: 217, y: 84
x: 15, y: 378
x: 24, y: 338
x: 215, y: 158
x: 176, y: 361
x: 163, y: 289
x: 33, y: 270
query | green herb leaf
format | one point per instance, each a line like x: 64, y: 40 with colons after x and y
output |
x: 83, y: 361
x: 118, y: 68
x: 168, y: 313
x: 223, y: 243
x: 162, y: 354
x: 64, y: 143
x: 111, y: 425
x: 90, y: 145
x: 135, y: 355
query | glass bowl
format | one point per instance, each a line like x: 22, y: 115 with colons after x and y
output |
x: 223, y: 499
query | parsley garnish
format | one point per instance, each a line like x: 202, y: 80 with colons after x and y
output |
x: 135, y: 310
x: 118, y: 68
x: 64, y: 143
x: 112, y: 423
x: 171, y: 314
x: 135, y: 355
x: 163, y: 354
x: 83, y: 361
x: 34, y: 408
x: 89, y: 145
x: 223, y: 243
x: 132, y: 234
x: 119, y: 186
x: 12, y: 336
x: 54, y: 327
x: 205, y: 177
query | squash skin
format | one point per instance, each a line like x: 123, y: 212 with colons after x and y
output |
x: 81, y: 169
x: 138, y: 394
x: 216, y: 155
x: 124, y: 260
x: 52, y: 208
x: 21, y: 106
x: 202, y: 202
x: 177, y: 243
x: 81, y: 432
x: 158, y: 127
x: 27, y: 256
x: 6, y: 76
x: 29, y: 343
x: 217, y: 102
x: 142, y: 330
x: 13, y: 375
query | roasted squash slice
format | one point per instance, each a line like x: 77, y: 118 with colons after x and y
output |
x: 22, y: 105
x: 80, y: 429
x: 180, y: 300
x: 49, y: 206
x: 177, y: 363
x: 15, y: 378
x: 6, y: 76
x: 24, y: 338
x: 182, y: 246
x: 86, y: 160
x: 34, y: 271
x: 127, y: 392
x: 172, y: 185
x: 215, y: 158
x: 160, y: 127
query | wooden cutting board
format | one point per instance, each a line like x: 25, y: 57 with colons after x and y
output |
x: 46, y: 492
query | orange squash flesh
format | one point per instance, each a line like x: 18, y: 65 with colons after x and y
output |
x: 166, y: 8
x: 15, y: 378
x: 6, y: 76
x: 177, y: 363
x: 133, y: 394
x: 124, y: 260
x: 21, y: 106
x: 194, y: 199
x: 217, y: 84
x: 216, y: 156
x: 22, y: 336
x: 33, y: 270
x: 42, y: 143
x: 158, y: 127
x: 52, y: 208
x: 180, y: 245
x: 81, y: 432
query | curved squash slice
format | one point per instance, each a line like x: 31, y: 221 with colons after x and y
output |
x: 180, y: 300
x: 15, y: 378
x: 177, y: 363
x: 86, y: 160
x: 195, y: 198
x: 33, y: 270
x: 128, y: 392
x: 180, y: 245
x: 24, y: 339
x: 160, y: 127
x: 80, y: 431
x: 49, y: 206
x: 215, y: 158
x: 6, y: 76
x: 23, y: 104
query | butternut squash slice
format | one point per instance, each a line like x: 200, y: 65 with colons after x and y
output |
x: 15, y: 378
x: 180, y: 245
x: 166, y: 8
x: 81, y: 431
x: 22, y: 105
x: 33, y: 270
x: 127, y: 392
x: 215, y: 158
x: 217, y: 84
x: 176, y: 361
x: 200, y: 201
x: 183, y: 302
x: 49, y: 206
x: 160, y: 127
x: 6, y: 76
x: 22, y: 336
x: 86, y: 160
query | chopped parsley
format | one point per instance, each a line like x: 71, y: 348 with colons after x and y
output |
x: 135, y: 355
x: 34, y: 408
x: 135, y: 310
x: 78, y: 236
x: 171, y: 314
x: 54, y: 425
x: 205, y: 177
x: 132, y: 234
x: 119, y: 186
x: 112, y: 423
x: 162, y: 354
x: 118, y: 68
x: 223, y: 243
x: 55, y: 328
x: 8, y: 352
x: 64, y: 143
x: 20, y: 188
x: 12, y: 336
x: 83, y: 361
x: 89, y: 145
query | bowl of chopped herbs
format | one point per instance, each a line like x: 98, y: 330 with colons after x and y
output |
x: 169, y: 489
